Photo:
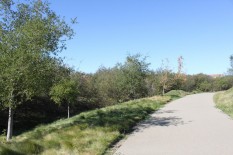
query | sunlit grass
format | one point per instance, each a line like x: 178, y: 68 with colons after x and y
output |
x: 89, y: 133
x: 177, y: 94
x: 224, y: 101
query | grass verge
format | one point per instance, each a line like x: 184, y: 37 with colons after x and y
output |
x: 224, y: 101
x: 175, y: 94
x: 89, y: 133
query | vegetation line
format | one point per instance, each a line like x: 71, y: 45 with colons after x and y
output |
x: 90, y: 132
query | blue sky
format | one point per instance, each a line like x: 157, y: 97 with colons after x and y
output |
x: 199, y: 30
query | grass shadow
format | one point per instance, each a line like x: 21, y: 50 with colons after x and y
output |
x: 7, y: 151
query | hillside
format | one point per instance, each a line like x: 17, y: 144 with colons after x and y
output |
x: 224, y: 101
x: 89, y: 133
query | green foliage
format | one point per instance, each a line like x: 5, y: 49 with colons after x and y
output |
x: 135, y: 70
x: 90, y: 132
x: 152, y: 84
x: 223, y: 83
x: 205, y: 86
x: 109, y: 85
x: 165, y: 79
x: 87, y: 90
x: 122, y: 82
x: 3, y: 136
x: 203, y: 82
x: 198, y: 82
x: 30, y: 35
x: 190, y: 84
x: 65, y: 90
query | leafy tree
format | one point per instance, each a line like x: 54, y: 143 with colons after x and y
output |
x: 123, y: 82
x: 109, y: 83
x: 31, y: 34
x: 152, y: 83
x: 203, y: 82
x: 189, y: 85
x: 180, y: 76
x: 223, y: 83
x: 165, y: 77
x: 88, y: 96
x: 205, y: 86
x: 65, y: 91
x: 135, y: 70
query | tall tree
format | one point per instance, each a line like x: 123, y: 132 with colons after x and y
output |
x: 230, y: 71
x: 180, y: 76
x: 134, y: 71
x: 165, y: 76
x: 31, y: 35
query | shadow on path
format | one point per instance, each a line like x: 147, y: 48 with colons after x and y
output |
x: 163, y: 121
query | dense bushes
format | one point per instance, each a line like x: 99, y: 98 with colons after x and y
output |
x: 122, y: 82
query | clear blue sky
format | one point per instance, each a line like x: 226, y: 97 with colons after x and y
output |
x: 199, y: 30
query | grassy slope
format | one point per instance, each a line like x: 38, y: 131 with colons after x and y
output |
x: 88, y: 133
x: 177, y: 93
x: 224, y: 101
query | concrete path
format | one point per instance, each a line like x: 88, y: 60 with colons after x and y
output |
x: 188, y: 126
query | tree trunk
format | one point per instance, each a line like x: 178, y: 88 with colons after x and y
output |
x: 68, y: 110
x: 163, y: 90
x: 10, y: 125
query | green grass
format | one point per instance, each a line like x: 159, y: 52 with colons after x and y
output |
x: 224, y: 101
x: 89, y: 133
x: 177, y: 93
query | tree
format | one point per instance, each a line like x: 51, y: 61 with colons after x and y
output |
x: 230, y: 71
x: 180, y: 76
x: 31, y: 35
x: 88, y: 96
x: 165, y: 77
x: 203, y: 82
x: 189, y: 84
x: 223, y: 83
x: 152, y: 83
x: 134, y: 72
x: 122, y: 82
x: 109, y: 82
x: 65, y: 91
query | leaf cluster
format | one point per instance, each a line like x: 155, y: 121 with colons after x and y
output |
x: 31, y: 35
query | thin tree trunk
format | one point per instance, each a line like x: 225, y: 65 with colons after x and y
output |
x: 10, y: 125
x: 68, y: 110
x: 163, y: 90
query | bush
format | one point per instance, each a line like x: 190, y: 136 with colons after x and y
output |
x: 177, y: 93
